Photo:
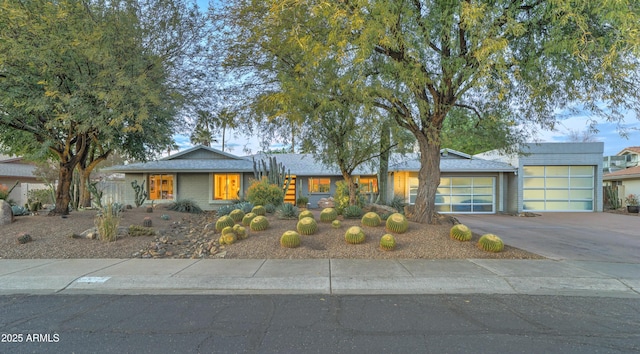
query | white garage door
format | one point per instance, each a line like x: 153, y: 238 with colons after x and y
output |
x: 558, y: 188
x: 461, y: 194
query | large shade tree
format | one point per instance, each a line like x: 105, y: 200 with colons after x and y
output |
x: 422, y: 59
x: 79, y: 80
x: 293, y: 101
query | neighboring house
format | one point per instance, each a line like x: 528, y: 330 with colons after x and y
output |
x: 551, y: 177
x: 623, y: 171
x: 15, y: 169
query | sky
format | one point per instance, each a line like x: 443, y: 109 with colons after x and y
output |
x: 236, y: 143
x: 614, y: 142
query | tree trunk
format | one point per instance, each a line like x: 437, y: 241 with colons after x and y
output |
x: 85, y: 195
x: 428, y: 181
x: 63, y: 197
x: 352, y: 187
x: 385, y: 142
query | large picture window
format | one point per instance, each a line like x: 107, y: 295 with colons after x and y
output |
x: 366, y: 185
x: 319, y: 185
x: 160, y: 187
x: 226, y: 186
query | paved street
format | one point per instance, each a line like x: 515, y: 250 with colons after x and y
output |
x: 321, y: 324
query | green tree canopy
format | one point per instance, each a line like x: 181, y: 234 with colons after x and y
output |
x: 80, y: 79
x: 422, y: 59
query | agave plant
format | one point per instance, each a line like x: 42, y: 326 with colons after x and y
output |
x: 287, y: 211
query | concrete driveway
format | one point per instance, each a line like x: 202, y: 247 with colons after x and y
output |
x: 602, y: 237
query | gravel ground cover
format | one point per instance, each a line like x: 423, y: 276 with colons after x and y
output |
x: 194, y: 236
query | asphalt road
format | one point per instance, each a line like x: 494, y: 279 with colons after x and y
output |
x: 320, y: 324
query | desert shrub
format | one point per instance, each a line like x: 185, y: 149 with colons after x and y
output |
x: 397, y: 202
x: 262, y: 192
x: 341, y: 197
x: 287, y: 211
x: 352, y: 212
x: 302, y: 201
x: 107, y: 223
x: 137, y: 230
x: 44, y: 196
x: 185, y: 206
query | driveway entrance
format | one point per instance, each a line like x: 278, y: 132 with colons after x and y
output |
x: 602, y: 237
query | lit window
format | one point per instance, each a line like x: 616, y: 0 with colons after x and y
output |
x: 160, y: 187
x: 319, y: 185
x: 366, y: 184
x: 226, y: 186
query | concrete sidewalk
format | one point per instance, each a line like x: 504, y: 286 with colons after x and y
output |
x: 318, y: 276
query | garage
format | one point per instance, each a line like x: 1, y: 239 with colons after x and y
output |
x: 558, y: 188
x: 461, y: 194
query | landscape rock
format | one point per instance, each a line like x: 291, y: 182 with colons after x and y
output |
x: 6, y: 214
x: 326, y: 203
x: 379, y: 208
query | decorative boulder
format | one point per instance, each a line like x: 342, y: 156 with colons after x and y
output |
x: 6, y: 214
x: 326, y: 203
